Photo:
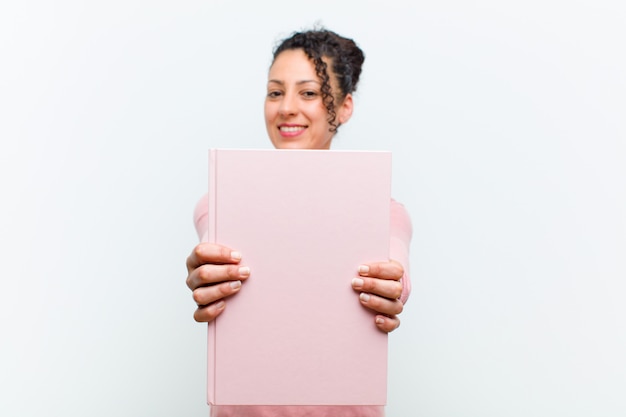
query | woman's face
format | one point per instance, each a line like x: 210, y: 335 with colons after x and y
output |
x: 295, y: 116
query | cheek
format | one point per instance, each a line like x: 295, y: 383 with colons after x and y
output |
x: 270, y: 115
x: 316, y: 112
x: 271, y: 106
x: 266, y: 110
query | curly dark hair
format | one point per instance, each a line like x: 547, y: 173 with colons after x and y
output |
x: 345, y: 57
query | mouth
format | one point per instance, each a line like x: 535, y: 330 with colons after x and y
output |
x: 290, y: 130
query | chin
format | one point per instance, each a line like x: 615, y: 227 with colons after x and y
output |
x: 295, y: 144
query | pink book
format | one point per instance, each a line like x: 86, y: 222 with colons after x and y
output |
x: 304, y: 220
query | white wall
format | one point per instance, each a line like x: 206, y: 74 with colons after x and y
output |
x: 507, y: 126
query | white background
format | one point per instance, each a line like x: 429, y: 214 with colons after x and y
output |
x: 507, y: 125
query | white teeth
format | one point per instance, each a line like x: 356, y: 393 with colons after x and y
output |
x: 291, y: 128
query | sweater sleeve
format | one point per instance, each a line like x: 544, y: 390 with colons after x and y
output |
x: 400, y: 240
x: 201, y: 218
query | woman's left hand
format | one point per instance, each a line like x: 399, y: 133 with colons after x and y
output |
x: 379, y: 289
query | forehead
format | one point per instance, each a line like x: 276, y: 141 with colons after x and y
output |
x: 293, y: 64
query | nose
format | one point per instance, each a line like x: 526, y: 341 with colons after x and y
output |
x: 288, y: 105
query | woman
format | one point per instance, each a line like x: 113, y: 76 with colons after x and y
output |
x: 309, y: 95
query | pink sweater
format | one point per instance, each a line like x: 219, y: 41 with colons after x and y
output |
x: 401, y: 232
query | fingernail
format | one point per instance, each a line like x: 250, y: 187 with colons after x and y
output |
x: 364, y: 297
x: 235, y: 284
x: 380, y: 320
x: 364, y: 269
x: 357, y: 282
x: 235, y: 255
x: 220, y: 305
x: 244, y: 271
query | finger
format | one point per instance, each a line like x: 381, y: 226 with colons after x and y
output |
x: 385, y: 288
x: 207, y: 295
x: 211, y: 253
x: 387, y: 324
x: 380, y: 304
x: 391, y: 270
x: 205, y: 314
x: 213, y: 274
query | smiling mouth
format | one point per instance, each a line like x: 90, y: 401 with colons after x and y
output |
x: 291, y: 129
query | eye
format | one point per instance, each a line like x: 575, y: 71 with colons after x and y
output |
x: 274, y: 94
x: 309, y: 94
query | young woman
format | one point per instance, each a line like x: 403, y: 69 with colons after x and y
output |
x: 309, y: 95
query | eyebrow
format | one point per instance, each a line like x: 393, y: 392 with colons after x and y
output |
x: 297, y: 82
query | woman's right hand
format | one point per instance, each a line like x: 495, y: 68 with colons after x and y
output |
x: 214, y: 273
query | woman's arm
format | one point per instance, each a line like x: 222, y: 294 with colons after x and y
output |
x: 384, y: 287
x: 213, y: 271
x: 213, y: 274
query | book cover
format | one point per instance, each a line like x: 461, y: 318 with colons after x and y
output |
x: 304, y: 220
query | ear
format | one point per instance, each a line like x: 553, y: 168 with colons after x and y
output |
x: 344, y: 112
